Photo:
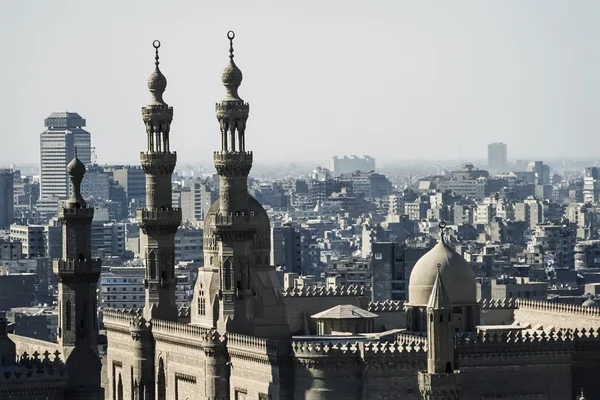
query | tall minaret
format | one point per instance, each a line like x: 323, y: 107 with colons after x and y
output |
x: 78, y: 277
x: 159, y: 220
x: 234, y: 224
x: 440, y: 381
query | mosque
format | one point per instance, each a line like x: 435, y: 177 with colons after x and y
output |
x: 245, y: 338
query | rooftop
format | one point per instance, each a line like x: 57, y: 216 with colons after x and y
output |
x: 345, y: 311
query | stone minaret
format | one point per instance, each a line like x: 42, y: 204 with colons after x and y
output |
x: 234, y: 224
x: 78, y: 277
x: 440, y: 381
x: 159, y: 220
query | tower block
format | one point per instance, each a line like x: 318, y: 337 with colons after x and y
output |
x: 159, y: 220
x: 78, y: 277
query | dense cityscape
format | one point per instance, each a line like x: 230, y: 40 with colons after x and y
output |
x: 347, y: 279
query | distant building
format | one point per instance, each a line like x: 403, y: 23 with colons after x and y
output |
x: 96, y: 184
x: 368, y: 184
x: 133, y: 180
x: 591, y: 185
x: 6, y: 197
x: 345, y: 165
x: 189, y: 244
x: 123, y: 287
x: 64, y: 133
x: 17, y: 290
x: 31, y: 238
x: 587, y: 255
x: 541, y: 172
x: 108, y: 239
x: 387, y: 272
x: 497, y: 157
x: 290, y: 248
x: 518, y: 288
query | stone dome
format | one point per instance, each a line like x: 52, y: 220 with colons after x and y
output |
x: 76, y: 168
x: 591, y: 303
x: 157, y: 81
x: 457, y: 274
x: 262, y: 238
x: 232, y: 75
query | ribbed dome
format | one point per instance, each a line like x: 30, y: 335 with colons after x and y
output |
x: 457, y: 274
x: 157, y: 82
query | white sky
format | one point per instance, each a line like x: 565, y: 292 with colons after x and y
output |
x: 395, y: 79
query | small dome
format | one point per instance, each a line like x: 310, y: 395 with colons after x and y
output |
x: 157, y: 82
x: 591, y: 303
x: 76, y: 167
x: 232, y: 75
x: 457, y: 274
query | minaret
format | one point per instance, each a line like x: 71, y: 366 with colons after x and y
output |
x: 159, y: 220
x: 234, y: 225
x: 78, y: 277
x: 440, y: 381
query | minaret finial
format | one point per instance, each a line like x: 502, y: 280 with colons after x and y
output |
x: 231, y: 36
x: 156, y: 45
x: 442, y: 226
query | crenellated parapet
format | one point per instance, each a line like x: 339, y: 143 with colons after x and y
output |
x: 386, y: 306
x: 487, y: 304
x: 77, y: 270
x: 36, y: 368
x: 322, y: 291
x: 190, y: 335
x: 251, y: 348
x: 159, y: 221
x: 557, y: 308
x: 121, y: 319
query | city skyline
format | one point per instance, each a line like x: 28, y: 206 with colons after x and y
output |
x: 521, y: 80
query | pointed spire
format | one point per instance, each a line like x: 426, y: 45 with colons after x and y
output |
x: 442, y: 226
x: 76, y: 171
x: 157, y: 82
x: 232, y: 75
x: 439, y: 299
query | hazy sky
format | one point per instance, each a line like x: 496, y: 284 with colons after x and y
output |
x: 394, y: 79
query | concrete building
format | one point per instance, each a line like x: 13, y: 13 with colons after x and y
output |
x: 541, y: 172
x: 35, y: 322
x: 108, y: 239
x: 123, y: 287
x: 587, y: 255
x: 6, y: 198
x: 32, y: 238
x: 133, y: 180
x: 497, y: 157
x: 290, y: 248
x: 591, y: 185
x: 348, y: 165
x: 96, y: 184
x: 388, y: 273
x: 368, y: 184
x: 189, y: 244
x: 64, y: 133
x: 17, y: 290
x: 518, y: 288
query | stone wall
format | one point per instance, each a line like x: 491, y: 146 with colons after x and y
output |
x: 391, y: 315
x: 24, y: 344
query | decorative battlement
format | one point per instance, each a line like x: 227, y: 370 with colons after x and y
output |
x: 158, y: 163
x: 183, y: 312
x: 520, y: 337
x: 486, y: 304
x: 310, y: 348
x: 208, y: 335
x: 75, y: 269
x: 558, y: 308
x: 413, y: 338
x: 386, y: 306
x: 238, y: 226
x: 159, y: 220
x: 76, y: 213
x: 36, y: 367
x: 122, y: 317
x: 322, y: 291
x: 251, y: 343
x: 232, y: 109
x: 156, y: 113
x: 233, y: 163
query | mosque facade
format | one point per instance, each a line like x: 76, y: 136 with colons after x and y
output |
x: 245, y: 338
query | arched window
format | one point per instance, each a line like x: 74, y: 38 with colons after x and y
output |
x: 441, y: 317
x: 81, y: 257
x: 120, y: 389
x: 68, y: 315
x: 160, y: 381
x: 227, y: 273
x: 448, y: 367
x: 202, y: 306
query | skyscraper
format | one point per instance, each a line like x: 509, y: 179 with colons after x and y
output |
x: 497, y: 160
x: 6, y: 197
x: 64, y: 133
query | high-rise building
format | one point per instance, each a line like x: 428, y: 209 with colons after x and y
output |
x: 6, y: 197
x: 591, y: 185
x: 348, y: 165
x: 497, y: 158
x: 58, y: 142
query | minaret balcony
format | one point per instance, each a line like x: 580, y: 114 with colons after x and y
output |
x: 159, y: 218
x: 76, y: 213
x: 158, y: 162
x: 233, y: 163
x: 236, y: 109
x: 89, y: 269
x: 234, y: 226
